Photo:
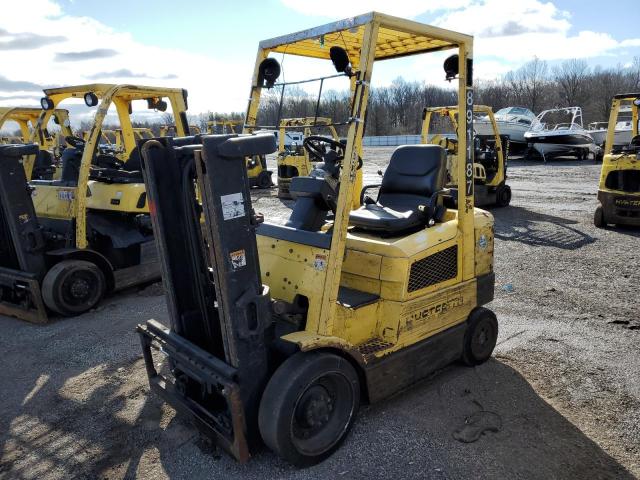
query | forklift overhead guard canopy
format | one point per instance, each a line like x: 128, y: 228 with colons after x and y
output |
x: 396, y: 38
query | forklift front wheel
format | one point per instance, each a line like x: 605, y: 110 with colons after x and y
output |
x: 481, y: 336
x: 598, y: 218
x: 309, y: 406
x: 73, y: 287
x: 264, y: 179
x: 503, y: 196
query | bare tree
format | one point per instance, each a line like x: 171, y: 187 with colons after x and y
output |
x: 529, y: 83
x: 570, y: 77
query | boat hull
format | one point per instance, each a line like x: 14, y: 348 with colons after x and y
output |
x: 513, y: 130
x: 562, y: 144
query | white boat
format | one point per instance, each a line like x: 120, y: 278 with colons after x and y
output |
x: 598, y: 131
x: 553, y: 136
x: 511, y: 121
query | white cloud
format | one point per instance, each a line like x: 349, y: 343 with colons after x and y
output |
x: 518, y: 31
x: 347, y: 8
x: 507, y: 33
x: 92, y: 48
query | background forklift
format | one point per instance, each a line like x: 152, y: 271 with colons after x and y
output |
x: 293, y: 158
x: 66, y: 242
x: 278, y: 332
x: 259, y: 174
x: 490, y: 153
x: 43, y: 164
x: 619, y: 188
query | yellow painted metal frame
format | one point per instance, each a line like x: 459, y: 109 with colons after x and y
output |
x: 612, y: 162
x: 27, y: 120
x: 228, y: 126
x: 121, y: 96
x: 367, y: 38
x: 452, y: 113
x: 33, y: 132
x: 165, y: 129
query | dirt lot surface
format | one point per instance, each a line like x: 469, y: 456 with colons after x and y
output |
x: 560, y: 399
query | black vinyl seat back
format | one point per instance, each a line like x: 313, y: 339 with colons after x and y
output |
x: 414, y: 174
x: 409, y: 195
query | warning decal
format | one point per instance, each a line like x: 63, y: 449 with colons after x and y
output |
x: 232, y: 206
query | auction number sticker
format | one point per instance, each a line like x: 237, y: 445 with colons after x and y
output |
x: 232, y: 206
x: 66, y: 195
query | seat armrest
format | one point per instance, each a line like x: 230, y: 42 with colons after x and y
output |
x: 365, y: 188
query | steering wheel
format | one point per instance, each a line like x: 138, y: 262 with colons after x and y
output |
x: 75, y: 142
x: 314, y: 145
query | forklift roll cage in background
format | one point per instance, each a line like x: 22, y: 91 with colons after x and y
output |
x: 31, y: 131
x: 121, y: 96
x: 487, y: 193
x: 368, y: 38
x: 27, y: 119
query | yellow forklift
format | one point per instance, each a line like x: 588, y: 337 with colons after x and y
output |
x: 619, y: 188
x: 490, y: 154
x: 67, y: 242
x: 277, y: 333
x: 294, y: 159
x: 170, y: 131
x: 43, y: 164
x: 224, y: 126
x: 259, y: 174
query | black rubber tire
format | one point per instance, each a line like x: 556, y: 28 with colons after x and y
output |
x: 503, y: 196
x: 290, y: 394
x: 264, y: 179
x: 481, y: 336
x: 598, y: 218
x: 87, y: 280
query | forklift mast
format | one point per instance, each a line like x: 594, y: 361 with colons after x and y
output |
x: 216, y: 299
x: 22, y: 259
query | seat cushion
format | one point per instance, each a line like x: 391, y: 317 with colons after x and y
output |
x: 378, y: 218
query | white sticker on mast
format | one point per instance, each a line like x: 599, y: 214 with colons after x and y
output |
x: 232, y: 206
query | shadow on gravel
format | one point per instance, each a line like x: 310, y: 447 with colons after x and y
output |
x: 92, y: 416
x: 625, y: 230
x: 73, y: 409
x: 518, y: 224
x: 561, y: 162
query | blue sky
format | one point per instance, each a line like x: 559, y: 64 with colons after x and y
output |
x: 209, y: 46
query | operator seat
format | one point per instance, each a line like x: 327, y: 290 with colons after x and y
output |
x: 409, y: 196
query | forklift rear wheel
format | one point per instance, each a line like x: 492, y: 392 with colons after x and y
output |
x: 264, y: 180
x: 309, y: 406
x: 598, y: 218
x: 503, y: 196
x: 73, y: 287
x: 481, y: 336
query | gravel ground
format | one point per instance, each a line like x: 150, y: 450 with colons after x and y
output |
x: 560, y: 399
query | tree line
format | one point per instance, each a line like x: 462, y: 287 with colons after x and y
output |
x: 397, y: 108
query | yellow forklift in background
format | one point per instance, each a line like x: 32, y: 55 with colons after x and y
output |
x: 259, y: 174
x: 67, y: 242
x: 490, y: 153
x: 277, y: 333
x: 619, y: 187
x: 44, y: 164
x: 293, y: 158
x: 224, y: 126
x: 171, y: 131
